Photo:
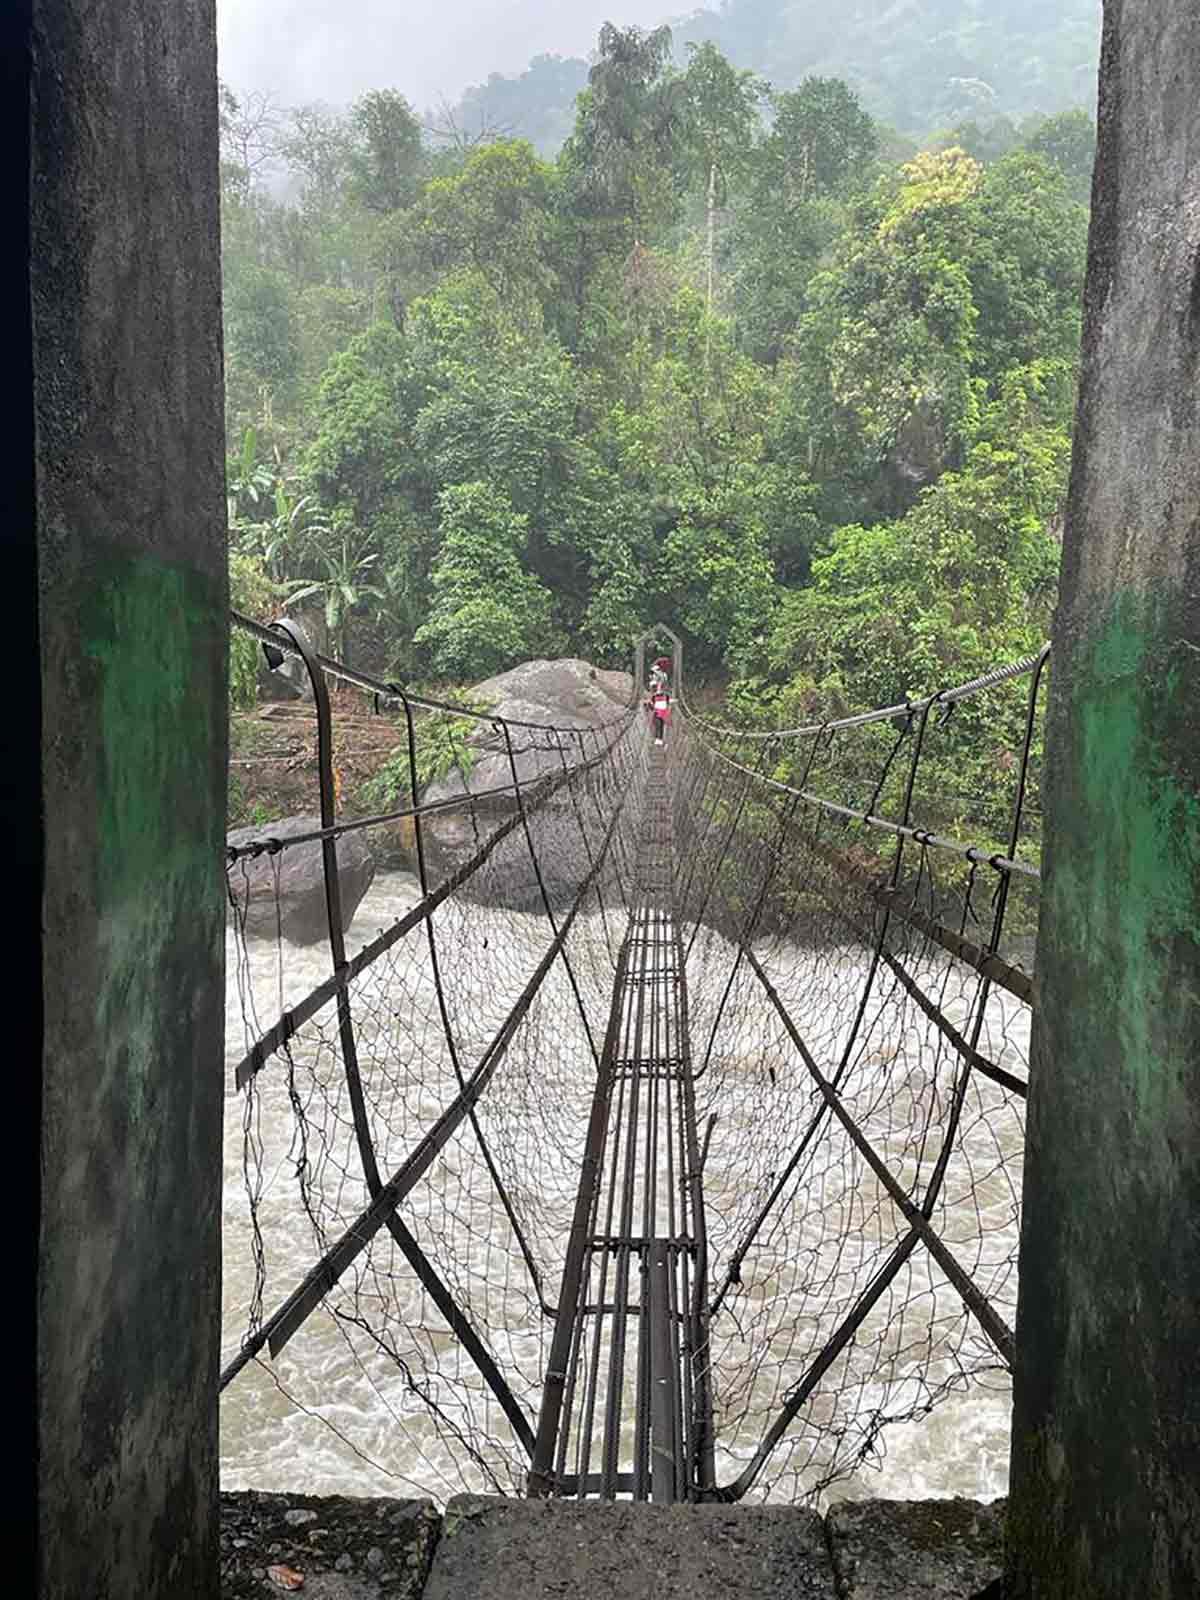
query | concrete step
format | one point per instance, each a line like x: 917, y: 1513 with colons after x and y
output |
x: 494, y: 1549
x: 484, y: 1548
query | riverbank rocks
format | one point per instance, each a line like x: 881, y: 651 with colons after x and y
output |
x: 566, y: 704
x: 285, y: 892
x: 339, y: 1548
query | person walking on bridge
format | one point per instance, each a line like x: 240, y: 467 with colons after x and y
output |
x: 660, y: 708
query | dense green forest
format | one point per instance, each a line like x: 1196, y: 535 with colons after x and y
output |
x: 736, y: 358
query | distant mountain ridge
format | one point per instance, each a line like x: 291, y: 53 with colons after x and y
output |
x: 916, y: 65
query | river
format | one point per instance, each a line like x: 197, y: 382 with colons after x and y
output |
x: 329, y: 1417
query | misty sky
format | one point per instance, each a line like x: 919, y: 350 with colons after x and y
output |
x: 333, y: 50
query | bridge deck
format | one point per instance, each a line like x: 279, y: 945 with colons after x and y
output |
x: 626, y: 1407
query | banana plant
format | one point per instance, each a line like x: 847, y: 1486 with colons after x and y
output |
x: 283, y: 541
x: 249, y: 480
x: 345, y: 564
x: 292, y: 530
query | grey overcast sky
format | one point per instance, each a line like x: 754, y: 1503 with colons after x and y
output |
x: 333, y: 50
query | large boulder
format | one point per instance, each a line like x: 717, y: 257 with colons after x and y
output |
x: 566, y: 688
x: 288, y: 681
x: 562, y: 699
x: 285, y: 892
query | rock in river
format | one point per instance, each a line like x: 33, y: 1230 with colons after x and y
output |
x: 286, y: 892
x: 569, y: 701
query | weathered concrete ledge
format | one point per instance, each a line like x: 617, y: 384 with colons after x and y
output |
x: 493, y: 1549
x: 342, y: 1549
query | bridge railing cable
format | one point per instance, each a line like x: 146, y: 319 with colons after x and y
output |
x: 1005, y: 673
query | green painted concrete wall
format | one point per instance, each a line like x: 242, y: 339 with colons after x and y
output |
x: 132, y: 611
x: 1105, y: 1497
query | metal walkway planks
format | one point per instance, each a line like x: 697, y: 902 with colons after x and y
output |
x: 627, y: 1408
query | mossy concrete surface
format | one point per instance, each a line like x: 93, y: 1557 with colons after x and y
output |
x: 1105, y: 1486
x: 133, y: 622
x: 915, y: 1549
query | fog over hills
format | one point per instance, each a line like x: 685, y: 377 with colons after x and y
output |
x: 333, y: 50
x: 915, y: 64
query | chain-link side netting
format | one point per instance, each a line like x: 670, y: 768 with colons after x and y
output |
x: 851, y: 912
x: 858, y: 911
x: 412, y: 1106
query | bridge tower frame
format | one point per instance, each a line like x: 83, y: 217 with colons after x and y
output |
x: 654, y: 635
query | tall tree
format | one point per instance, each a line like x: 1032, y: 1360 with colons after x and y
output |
x: 1068, y: 141
x: 389, y: 159
x: 820, y: 146
x: 495, y: 217
x: 625, y: 147
x: 723, y: 117
x: 250, y: 126
x: 821, y: 141
x: 261, y: 345
x: 885, y: 356
x: 1026, y: 255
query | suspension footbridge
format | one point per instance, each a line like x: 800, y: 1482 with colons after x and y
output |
x: 665, y: 1145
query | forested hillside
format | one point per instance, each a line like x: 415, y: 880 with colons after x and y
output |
x: 916, y: 65
x: 725, y: 361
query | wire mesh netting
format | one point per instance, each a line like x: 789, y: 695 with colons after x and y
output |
x: 853, y: 907
x: 450, y: 1071
x: 859, y: 995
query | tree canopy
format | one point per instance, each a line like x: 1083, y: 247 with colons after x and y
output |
x: 735, y: 358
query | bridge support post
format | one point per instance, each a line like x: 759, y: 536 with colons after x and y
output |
x: 1105, y: 1498
x: 654, y: 637
x: 116, y: 629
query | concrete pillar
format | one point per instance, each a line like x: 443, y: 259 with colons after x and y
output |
x: 21, y: 790
x: 1105, y: 1498
x: 120, y: 371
